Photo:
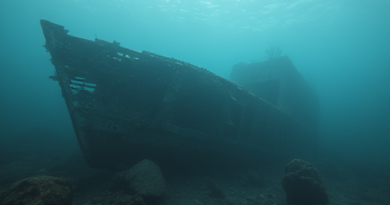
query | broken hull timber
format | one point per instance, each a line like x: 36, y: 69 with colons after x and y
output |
x: 126, y: 106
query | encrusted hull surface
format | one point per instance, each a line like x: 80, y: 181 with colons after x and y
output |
x: 126, y: 106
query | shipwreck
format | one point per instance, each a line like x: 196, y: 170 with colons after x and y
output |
x: 126, y: 106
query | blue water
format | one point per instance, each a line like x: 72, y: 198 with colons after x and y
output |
x: 341, y: 47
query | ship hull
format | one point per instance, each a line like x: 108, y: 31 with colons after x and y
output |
x: 126, y: 106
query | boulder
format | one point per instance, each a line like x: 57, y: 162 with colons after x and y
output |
x: 215, y: 190
x: 40, y: 190
x: 303, y: 185
x: 144, y: 178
